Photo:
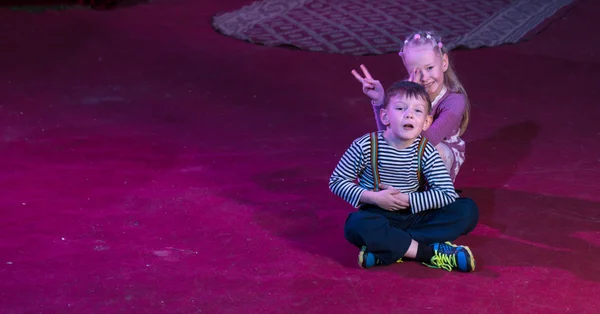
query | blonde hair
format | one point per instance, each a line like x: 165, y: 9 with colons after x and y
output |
x: 450, y: 78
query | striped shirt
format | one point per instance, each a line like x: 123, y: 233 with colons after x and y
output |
x: 353, y: 174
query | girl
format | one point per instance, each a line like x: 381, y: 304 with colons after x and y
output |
x: 427, y: 61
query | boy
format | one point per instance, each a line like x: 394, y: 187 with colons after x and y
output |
x: 407, y: 203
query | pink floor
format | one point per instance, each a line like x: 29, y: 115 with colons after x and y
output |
x: 151, y: 165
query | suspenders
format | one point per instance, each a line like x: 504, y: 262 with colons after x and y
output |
x: 420, y: 152
x: 374, y: 161
x: 375, y: 168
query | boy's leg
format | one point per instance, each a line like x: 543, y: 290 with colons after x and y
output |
x: 445, y: 224
x: 382, y: 240
x: 388, y: 236
x: 388, y: 244
x: 436, y: 227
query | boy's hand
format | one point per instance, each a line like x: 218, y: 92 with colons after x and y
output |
x: 370, y: 86
x: 391, y: 199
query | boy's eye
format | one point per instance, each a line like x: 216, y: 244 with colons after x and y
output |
x: 430, y: 68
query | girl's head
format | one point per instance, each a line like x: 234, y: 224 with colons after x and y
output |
x: 424, y: 52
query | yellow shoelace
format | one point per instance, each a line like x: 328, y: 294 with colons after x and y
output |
x: 447, y: 262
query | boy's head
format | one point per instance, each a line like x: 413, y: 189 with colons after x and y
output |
x: 406, y: 110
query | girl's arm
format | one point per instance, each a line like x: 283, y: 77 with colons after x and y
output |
x: 452, y: 110
x: 376, y: 111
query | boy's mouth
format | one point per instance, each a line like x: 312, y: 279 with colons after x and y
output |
x: 408, y: 126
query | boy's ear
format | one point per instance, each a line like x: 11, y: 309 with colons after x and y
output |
x: 428, y: 122
x: 383, y: 115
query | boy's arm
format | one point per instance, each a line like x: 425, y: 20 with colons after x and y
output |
x: 449, y: 119
x: 342, y: 181
x: 441, y: 188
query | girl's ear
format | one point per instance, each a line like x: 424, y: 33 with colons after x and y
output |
x: 445, y: 62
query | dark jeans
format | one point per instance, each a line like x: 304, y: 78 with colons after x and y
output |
x: 388, y: 234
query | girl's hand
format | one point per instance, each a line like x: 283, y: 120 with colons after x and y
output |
x: 370, y: 86
x: 415, y: 76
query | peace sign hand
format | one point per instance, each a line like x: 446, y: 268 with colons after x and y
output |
x: 370, y: 86
x: 415, y: 76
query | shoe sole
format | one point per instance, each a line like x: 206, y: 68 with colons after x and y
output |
x: 471, y: 258
x: 361, y: 257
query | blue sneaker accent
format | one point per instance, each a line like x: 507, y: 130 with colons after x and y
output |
x: 366, y: 259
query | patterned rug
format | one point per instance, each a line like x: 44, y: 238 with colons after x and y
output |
x: 363, y: 27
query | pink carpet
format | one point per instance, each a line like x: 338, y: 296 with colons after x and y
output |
x: 152, y: 165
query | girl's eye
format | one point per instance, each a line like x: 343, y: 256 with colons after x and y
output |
x: 430, y: 68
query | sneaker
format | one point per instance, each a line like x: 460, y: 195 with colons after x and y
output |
x: 368, y: 259
x: 449, y: 256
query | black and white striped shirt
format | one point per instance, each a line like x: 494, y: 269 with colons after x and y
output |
x: 397, y: 168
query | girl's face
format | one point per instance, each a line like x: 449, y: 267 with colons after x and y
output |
x: 429, y: 64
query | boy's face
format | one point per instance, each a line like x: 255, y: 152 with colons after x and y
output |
x: 406, y: 117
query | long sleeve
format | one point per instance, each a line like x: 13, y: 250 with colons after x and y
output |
x: 447, y: 122
x: 376, y: 110
x: 343, y: 180
x: 441, y: 190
